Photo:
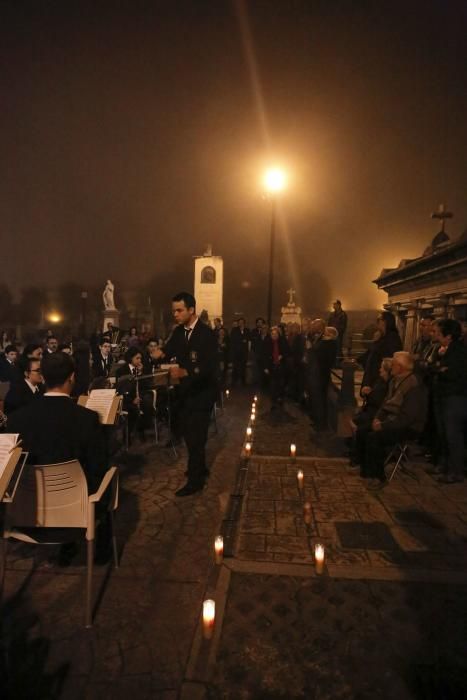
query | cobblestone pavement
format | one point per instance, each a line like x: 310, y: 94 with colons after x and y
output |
x: 386, y: 620
x: 150, y: 606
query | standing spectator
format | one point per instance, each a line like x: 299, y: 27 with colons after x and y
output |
x: 223, y: 354
x: 318, y: 372
x: 239, y: 343
x: 450, y: 401
x: 338, y: 320
x: 133, y: 340
x: 385, y: 345
x: 275, y: 352
x: 256, y: 342
x: 33, y: 350
x: 424, y: 339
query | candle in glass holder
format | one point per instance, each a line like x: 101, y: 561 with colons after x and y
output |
x: 252, y: 417
x: 249, y: 431
x: 255, y: 399
x: 248, y: 448
x: 253, y: 409
x: 219, y: 548
x: 293, y: 450
x: 307, y: 516
x: 227, y: 393
x: 319, y: 558
x: 209, y: 615
x: 300, y: 479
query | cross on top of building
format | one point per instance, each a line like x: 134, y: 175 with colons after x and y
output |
x: 291, y: 292
x: 442, y: 214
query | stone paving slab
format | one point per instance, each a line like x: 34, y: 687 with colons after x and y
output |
x: 409, y: 525
x: 293, y: 638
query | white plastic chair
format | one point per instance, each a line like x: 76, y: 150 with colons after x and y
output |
x: 56, y: 496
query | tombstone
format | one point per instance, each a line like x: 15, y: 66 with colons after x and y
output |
x: 209, y: 282
x: 291, y: 313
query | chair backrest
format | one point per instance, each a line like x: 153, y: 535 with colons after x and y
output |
x: 51, y: 495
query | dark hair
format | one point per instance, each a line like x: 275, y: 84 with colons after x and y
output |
x: 10, y: 348
x: 135, y: 329
x: 105, y: 339
x: 389, y: 321
x: 187, y: 298
x: 259, y: 319
x: 28, y: 349
x: 51, y: 337
x: 57, y: 368
x: 25, y: 363
x: 449, y: 326
x: 152, y: 340
x: 130, y: 353
x: 64, y: 346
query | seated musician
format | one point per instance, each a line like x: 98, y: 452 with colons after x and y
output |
x: 150, y: 361
x: 27, y: 389
x: 102, y: 361
x: 137, y: 401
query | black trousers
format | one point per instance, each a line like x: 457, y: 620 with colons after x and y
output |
x: 239, y: 363
x: 377, y: 444
x: 195, y: 425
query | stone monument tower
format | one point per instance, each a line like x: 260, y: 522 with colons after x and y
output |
x: 291, y: 313
x: 209, y: 283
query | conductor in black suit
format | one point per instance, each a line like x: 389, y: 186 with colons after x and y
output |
x: 193, y: 347
x: 28, y: 389
x: 55, y: 429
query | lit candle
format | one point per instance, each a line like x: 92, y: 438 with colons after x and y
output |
x: 209, y: 615
x: 293, y: 450
x: 219, y: 548
x: 256, y: 399
x: 319, y: 558
x: 249, y: 431
x: 252, y: 417
x: 307, y: 513
x: 227, y: 393
x: 248, y: 448
x: 300, y: 479
x: 253, y: 409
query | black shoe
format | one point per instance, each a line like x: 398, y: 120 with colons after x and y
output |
x: 189, y: 489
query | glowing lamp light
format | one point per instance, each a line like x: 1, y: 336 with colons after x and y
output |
x: 54, y: 317
x: 274, y: 180
x: 209, y: 615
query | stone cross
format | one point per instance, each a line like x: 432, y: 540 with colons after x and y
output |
x: 442, y: 214
x: 291, y: 293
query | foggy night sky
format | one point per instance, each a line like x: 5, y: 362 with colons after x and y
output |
x: 132, y: 134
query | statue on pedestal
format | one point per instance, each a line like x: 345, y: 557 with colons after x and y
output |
x: 108, y: 297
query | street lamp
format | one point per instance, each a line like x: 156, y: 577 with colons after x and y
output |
x: 274, y: 183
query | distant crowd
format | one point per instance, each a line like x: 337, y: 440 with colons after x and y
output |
x: 420, y: 395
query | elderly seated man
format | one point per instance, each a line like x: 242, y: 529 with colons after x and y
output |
x: 400, y: 417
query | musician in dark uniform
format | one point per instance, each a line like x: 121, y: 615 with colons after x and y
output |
x: 102, y: 361
x: 193, y: 348
x: 136, y: 400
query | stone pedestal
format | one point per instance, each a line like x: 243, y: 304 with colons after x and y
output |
x: 209, y: 284
x: 112, y: 316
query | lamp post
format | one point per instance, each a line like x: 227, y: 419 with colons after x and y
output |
x: 274, y: 183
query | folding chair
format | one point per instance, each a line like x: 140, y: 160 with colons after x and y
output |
x: 56, y: 496
x: 399, y: 452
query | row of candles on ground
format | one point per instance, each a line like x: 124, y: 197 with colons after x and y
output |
x: 209, y: 605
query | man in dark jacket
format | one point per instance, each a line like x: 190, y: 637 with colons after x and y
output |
x: 450, y: 401
x: 193, y: 348
x: 9, y: 370
x: 55, y: 429
x: 386, y: 344
x: 338, y: 320
x: 239, y: 345
x: 28, y: 389
x: 318, y: 374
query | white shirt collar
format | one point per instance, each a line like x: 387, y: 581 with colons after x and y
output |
x: 56, y: 393
x: 30, y: 385
x: 192, y: 325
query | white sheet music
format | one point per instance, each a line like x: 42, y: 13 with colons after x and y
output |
x: 100, y: 400
x: 7, y: 443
